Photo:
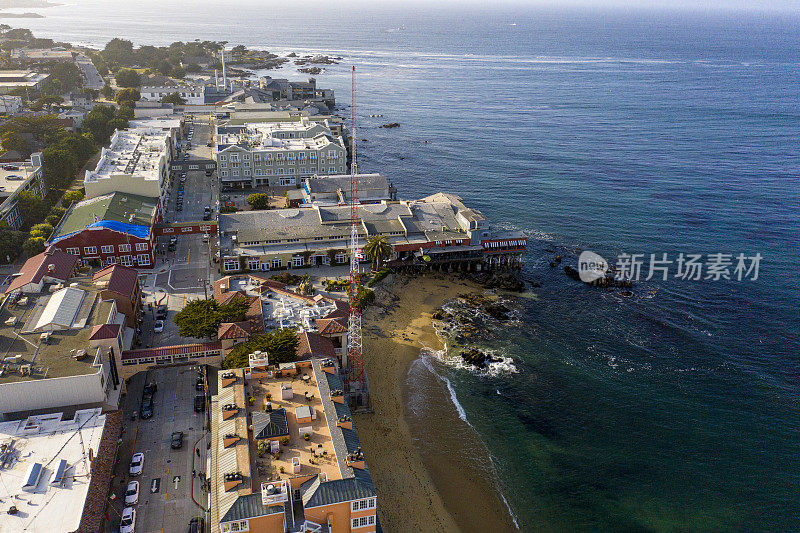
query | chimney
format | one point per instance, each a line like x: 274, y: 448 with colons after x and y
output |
x: 216, y: 79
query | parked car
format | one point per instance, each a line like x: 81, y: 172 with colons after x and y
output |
x: 161, y: 312
x: 147, y: 407
x: 177, y: 440
x: 178, y: 207
x: 173, y: 240
x: 196, y: 525
x: 132, y: 493
x: 128, y: 522
x: 151, y: 388
x: 206, y: 236
x: 158, y: 327
x: 199, y: 403
x: 137, y: 463
x: 199, y: 387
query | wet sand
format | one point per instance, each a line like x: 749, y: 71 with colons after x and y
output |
x: 420, y: 488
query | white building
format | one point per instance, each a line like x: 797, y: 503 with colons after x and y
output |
x: 277, y: 153
x: 10, y: 105
x: 136, y: 162
x: 18, y: 177
x: 52, y: 466
x: 194, y: 95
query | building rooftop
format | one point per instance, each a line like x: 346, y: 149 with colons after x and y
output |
x: 134, y: 214
x: 21, y: 78
x: 117, y: 278
x: 135, y: 151
x: 47, y: 335
x: 60, y: 448
x: 51, y: 263
x: 295, y: 134
x: 14, y: 176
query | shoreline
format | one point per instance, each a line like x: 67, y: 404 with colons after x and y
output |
x: 426, y: 484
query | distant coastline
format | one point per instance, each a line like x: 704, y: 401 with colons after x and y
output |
x: 18, y: 4
x: 21, y: 15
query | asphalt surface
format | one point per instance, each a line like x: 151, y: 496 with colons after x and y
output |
x: 166, y: 483
x: 91, y: 78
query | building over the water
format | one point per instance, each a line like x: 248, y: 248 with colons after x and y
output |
x: 135, y: 162
x: 291, y: 460
x: 435, y: 230
x: 57, y: 469
x: 110, y: 229
x: 277, y: 153
x: 335, y: 190
x: 16, y: 178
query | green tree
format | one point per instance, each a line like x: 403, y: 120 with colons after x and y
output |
x: 194, y: 68
x: 164, y: 67
x: 72, y: 196
x: 174, y: 98
x: 11, y: 241
x: 118, y: 51
x: 96, y: 122
x: 13, y: 141
x: 32, y: 208
x: 178, y: 72
x: 201, y: 318
x: 281, y: 345
x: 127, y: 97
x: 60, y: 166
x: 378, y: 250
x: 258, y: 200
x: 33, y: 246
x: 42, y: 229
x: 108, y: 91
x: 128, y: 78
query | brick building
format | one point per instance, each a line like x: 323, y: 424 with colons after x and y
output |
x: 110, y: 229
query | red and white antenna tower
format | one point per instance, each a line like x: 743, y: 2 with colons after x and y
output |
x: 355, y: 359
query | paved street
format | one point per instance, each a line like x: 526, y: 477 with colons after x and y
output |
x: 165, y: 499
x: 91, y: 78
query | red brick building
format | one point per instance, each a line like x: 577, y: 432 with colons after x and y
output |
x: 116, y: 228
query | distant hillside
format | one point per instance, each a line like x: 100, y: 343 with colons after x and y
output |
x: 7, y: 4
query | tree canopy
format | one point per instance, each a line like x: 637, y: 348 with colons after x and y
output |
x: 378, y: 250
x: 174, y: 98
x: 258, y: 200
x: 201, y: 318
x: 280, y: 345
x: 127, y: 97
x: 127, y: 77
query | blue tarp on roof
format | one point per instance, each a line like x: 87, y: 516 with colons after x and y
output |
x: 141, y: 232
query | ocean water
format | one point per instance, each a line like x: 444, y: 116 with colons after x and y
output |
x: 674, y: 409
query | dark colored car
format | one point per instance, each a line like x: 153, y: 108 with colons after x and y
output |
x: 199, y: 404
x: 196, y: 525
x: 177, y: 440
x: 147, y: 407
x: 161, y: 312
x: 150, y: 388
x: 199, y: 387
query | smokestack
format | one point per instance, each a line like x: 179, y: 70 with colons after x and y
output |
x: 224, y: 77
x: 216, y: 79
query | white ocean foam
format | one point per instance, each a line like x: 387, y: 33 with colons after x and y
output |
x: 426, y: 354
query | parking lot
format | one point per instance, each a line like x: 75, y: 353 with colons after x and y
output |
x: 165, y: 485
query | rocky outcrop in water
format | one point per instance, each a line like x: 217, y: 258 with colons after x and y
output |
x: 478, y: 358
x: 610, y: 279
x: 507, y: 281
x: 391, y: 125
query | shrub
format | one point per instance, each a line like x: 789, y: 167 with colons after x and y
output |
x: 378, y: 277
x: 227, y: 209
x: 332, y: 285
x: 288, y: 279
x: 306, y: 436
x: 285, y: 441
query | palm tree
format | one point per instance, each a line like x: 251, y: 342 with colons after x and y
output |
x: 378, y: 250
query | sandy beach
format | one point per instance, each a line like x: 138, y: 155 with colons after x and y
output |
x: 419, y: 491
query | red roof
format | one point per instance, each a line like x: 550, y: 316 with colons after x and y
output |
x: 52, y: 263
x: 313, y: 345
x: 122, y: 280
x: 233, y: 330
x: 104, y: 331
x: 181, y: 349
x: 328, y: 326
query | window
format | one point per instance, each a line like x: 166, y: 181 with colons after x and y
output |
x: 141, y: 246
x: 111, y: 260
x: 277, y: 263
x: 143, y: 259
x: 235, y: 527
x: 74, y: 251
x: 297, y: 261
x: 186, y: 229
x: 359, y: 505
x: 90, y: 250
x: 253, y: 264
x: 221, y: 158
x: 259, y: 172
x: 126, y: 260
x: 107, y: 248
x: 362, y: 521
x: 124, y: 247
x: 313, y: 155
x: 256, y: 157
x: 246, y: 157
x: 224, y: 173
x: 341, y: 258
x: 231, y: 265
